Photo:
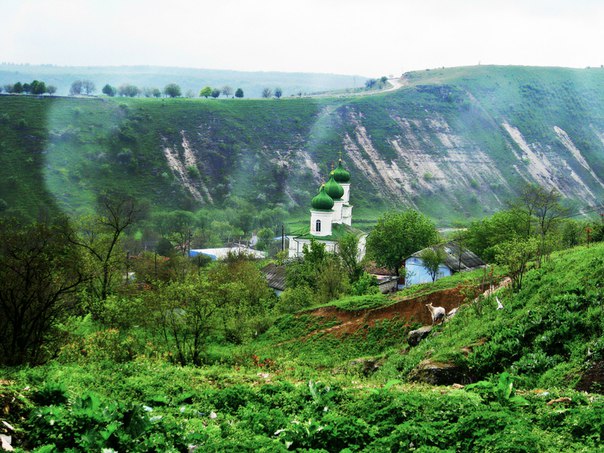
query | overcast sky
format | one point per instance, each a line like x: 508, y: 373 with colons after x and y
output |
x: 365, y: 37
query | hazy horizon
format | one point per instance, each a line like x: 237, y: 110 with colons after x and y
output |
x: 352, y: 37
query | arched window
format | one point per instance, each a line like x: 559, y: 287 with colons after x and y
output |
x: 318, y: 226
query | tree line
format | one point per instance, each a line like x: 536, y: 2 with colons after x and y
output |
x: 36, y: 87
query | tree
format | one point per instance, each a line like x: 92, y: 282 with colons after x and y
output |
x: 51, y: 89
x: 397, y: 235
x: 18, y: 88
x: 26, y: 88
x: 39, y: 270
x: 128, y: 90
x: 239, y: 93
x: 227, y: 91
x: 172, y: 90
x: 348, y: 251
x: 156, y: 92
x: 278, y: 92
x: 215, y: 93
x: 76, y: 88
x: 205, y: 92
x: 267, y: 93
x: 432, y: 258
x: 9, y: 88
x: 88, y: 87
x: 515, y: 255
x: 100, y: 238
x: 109, y: 90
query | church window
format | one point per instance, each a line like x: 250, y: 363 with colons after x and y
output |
x: 318, y: 226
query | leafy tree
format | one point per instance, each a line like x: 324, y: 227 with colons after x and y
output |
x: 267, y: 93
x: 215, y: 93
x: 482, y: 236
x: 184, y: 314
x: 239, y: 93
x: 88, y: 87
x: 38, y: 87
x: 515, y: 255
x: 156, y: 92
x: 128, y: 90
x: 205, y: 92
x: 51, y: 89
x: 76, y: 88
x: 332, y: 282
x: 278, y: 92
x: 172, y: 90
x: 397, y: 235
x: 294, y: 299
x: 227, y: 91
x: 109, y: 90
x: 432, y: 258
x: 26, y: 88
x: 39, y: 270
x: 18, y: 88
x: 348, y: 251
x: 9, y: 88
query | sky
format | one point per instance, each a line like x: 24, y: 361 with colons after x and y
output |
x: 362, y: 37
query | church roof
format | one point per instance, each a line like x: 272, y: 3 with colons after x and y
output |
x: 322, y: 201
x: 333, y: 189
x: 338, y: 231
x: 340, y: 174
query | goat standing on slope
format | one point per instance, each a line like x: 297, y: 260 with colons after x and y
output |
x: 438, y: 313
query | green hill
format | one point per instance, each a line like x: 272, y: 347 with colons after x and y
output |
x: 453, y: 143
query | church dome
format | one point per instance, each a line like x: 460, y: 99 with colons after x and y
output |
x: 340, y: 174
x: 322, y: 201
x: 333, y: 189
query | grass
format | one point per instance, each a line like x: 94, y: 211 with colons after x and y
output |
x: 60, y: 153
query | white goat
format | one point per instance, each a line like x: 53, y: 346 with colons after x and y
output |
x: 438, y: 313
x: 499, y: 304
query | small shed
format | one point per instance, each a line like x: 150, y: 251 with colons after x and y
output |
x: 457, y: 259
x: 275, y: 277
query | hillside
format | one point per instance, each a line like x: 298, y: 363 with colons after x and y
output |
x: 453, y: 143
x: 527, y: 378
x: 192, y: 79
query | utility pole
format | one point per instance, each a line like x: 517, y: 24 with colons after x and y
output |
x: 282, y: 237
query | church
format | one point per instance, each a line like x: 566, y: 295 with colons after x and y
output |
x: 330, y: 216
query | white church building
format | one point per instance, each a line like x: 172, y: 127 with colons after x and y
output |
x: 330, y: 216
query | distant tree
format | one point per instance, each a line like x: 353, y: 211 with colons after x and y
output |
x: 227, y: 91
x: 109, y: 90
x: 27, y: 88
x: 9, y: 88
x: 205, y: 92
x: 38, y: 87
x: 51, y: 89
x: 515, y: 255
x: 18, y: 88
x: 76, y: 88
x: 190, y: 93
x: 215, y: 92
x: 39, y: 270
x: 383, y: 80
x: 147, y: 92
x: 172, y: 90
x: 156, y: 93
x: 128, y: 90
x: 267, y: 93
x: 432, y: 258
x: 1, y: 89
x: 88, y: 87
x: 397, y: 235
x: 370, y: 83
x: 239, y: 93
x: 278, y: 92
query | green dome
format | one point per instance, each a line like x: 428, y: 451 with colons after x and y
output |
x: 333, y: 189
x: 340, y: 174
x: 322, y: 201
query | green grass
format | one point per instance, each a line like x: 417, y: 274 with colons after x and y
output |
x: 60, y: 153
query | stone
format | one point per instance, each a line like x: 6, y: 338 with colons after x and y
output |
x: 437, y: 373
x: 415, y: 336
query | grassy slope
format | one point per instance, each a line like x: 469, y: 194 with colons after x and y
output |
x: 312, y: 390
x: 252, y: 148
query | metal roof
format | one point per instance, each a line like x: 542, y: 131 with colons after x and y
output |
x: 457, y: 258
x: 275, y: 276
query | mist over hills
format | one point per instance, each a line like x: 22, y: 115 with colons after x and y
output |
x: 454, y: 143
x: 192, y: 79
